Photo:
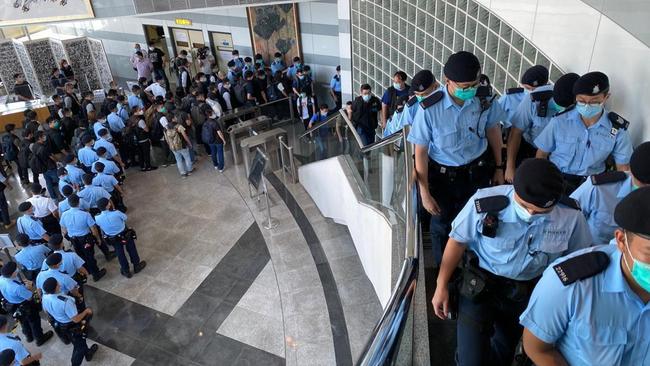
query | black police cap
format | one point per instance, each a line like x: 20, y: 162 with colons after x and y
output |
x: 8, y: 269
x: 591, y: 83
x: 422, y: 80
x: 68, y: 159
x: 640, y: 163
x: 563, y: 89
x: 54, y: 259
x: 535, y: 76
x: 55, y: 240
x: 49, y: 286
x: 24, y: 206
x: 539, y: 182
x: 633, y: 211
x: 67, y: 190
x: 7, y: 357
x: 102, y: 203
x: 462, y: 67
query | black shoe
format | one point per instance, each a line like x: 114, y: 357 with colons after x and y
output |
x: 29, y: 340
x: 110, y: 256
x: 98, y: 276
x: 143, y: 169
x: 153, y: 168
x: 91, y: 352
x: 139, y: 267
x: 46, y: 337
x: 126, y: 274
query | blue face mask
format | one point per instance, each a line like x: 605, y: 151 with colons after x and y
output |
x: 301, y: 77
x: 554, y: 106
x: 522, y: 213
x: 277, y: 59
x: 397, y: 86
x: 465, y: 94
x: 589, y: 110
x: 365, y: 97
x: 420, y: 98
x: 640, y: 271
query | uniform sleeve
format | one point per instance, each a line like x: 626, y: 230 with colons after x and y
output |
x: 521, y: 116
x: 581, y: 235
x: 38, y: 228
x: 21, y: 352
x: 496, y: 115
x: 421, y: 131
x: 549, y: 310
x: 332, y: 83
x: 70, y: 309
x: 77, y: 261
x: 105, y: 194
x: 546, y: 140
x: 463, y: 228
x: 314, y: 118
x: 70, y: 284
x: 89, y: 220
x: 583, y: 194
x: 113, y: 180
x: 23, y: 292
x: 623, y: 148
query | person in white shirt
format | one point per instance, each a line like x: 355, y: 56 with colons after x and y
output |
x: 157, y: 89
x: 45, y: 210
x: 136, y: 49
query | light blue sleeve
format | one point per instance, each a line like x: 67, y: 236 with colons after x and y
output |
x: 521, y: 118
x: 332, y: 83
x: 549, y: 311
x: 105, y: 194
x: 70, y: 309
x: 77, y: 261
x: 581, y: 236
x: 623, y: 148
x: 20, y: 351
x: 121, y: 215
x: 23, y: 292
x: 113, y: 180
x: 69, y: 283
x: 89, y: 220
x: 583, y: 194
x: 38, y: 228
x: 421, y: 130
x: 463, y: 228
x: 496, y: 115
x: 546, y: 140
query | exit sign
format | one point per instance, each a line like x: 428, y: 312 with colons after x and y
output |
x: 183, y: 21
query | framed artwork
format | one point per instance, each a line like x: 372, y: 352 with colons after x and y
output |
x: 275, y: 28
x: 21, y: 12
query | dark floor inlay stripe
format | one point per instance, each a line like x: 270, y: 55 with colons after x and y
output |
x: 189, y: 337
x: 342, y: 350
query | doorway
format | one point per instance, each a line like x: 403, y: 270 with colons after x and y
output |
x: 221, y: 48
x: 155, y: 35
x: 190, y: 40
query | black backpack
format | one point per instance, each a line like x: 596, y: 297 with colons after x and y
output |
x: 157, y: 131
x: 8, y: 147
x: 35, y: 162
x: 208, y: 131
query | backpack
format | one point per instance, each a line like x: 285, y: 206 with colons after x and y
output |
x: 25, y: 153
x: 271, y: 92
x: 8, y: 147
x: 157, y: 131
x: 35, y: 162
x: 240, y: 93
x: 208, y: 132
x: 174, y: 139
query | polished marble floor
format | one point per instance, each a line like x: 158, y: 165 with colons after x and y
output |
x: 219, y: 289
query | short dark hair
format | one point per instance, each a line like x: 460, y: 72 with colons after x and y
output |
x: 235, y: 52
x: 101, y: 151
x: 296, y: 59
x: 112, y: 106
x: 248, y: 59
x: 365, y: 87
x: 16, y: 75
x: 103, y: 132
x: 121, y: 98
x: 401, y: 74
x: 99, y: 166
x: 10, y: 127
x: 248, y: 74
x: 88, y: 179
x: 102, y: 203
x: 135, y: 87
x: 139, y: 53
x: 39, y: 134
x: 56, y: 96
x: 22, y: 239
x: 277, y: 54
x: 112, y: 92
x: 73, y: 200
x: 324, y: 106
x: 67, y: 190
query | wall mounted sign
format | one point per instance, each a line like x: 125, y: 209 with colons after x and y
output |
x: 183, y: 21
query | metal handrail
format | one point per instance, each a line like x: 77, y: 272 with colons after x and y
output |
x: 383, y: 346
x: 388, y: 140
x: 291, y: 168
x: 351, y: 127
x: 318, y: 125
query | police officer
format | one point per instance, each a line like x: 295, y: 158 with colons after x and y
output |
x: 599, y: 195
x: 7, y: 357
x: 74, y: 173
x: 87, y: 156
x: 71, y: 263
x: 531, y: 117
x: 238, y: 61
x: 109, y: 183
x: 422, y: 86
x: 397, y: 121
x: 64, y: 206
x: 590, y: 308
x: 335, y: 89
x: 511, y: 233
x: 44, y: 209
x: 278, y: 64
x: 113, y: 226
x: 30, y: 257
x: 67, y: 321
x: 8, y: 341
x: 91, y: 194
x: 111, y: 151
x: 109, y: 166
x: 20, y: 301
x: 28, y: 225
x: 580, y: 140
x: 80, y: 227
x: 451, y: 131
x: 391, y: 95
x: 68, y: 285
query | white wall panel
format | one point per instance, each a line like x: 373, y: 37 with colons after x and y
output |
x: 518, y: 13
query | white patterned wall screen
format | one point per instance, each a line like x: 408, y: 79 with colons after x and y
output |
x: 89, y: 63
x: 13, y: 60
x: 45, y: 54
x: 411, y: 35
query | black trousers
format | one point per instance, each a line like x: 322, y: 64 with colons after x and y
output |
x: 31, y: 321
x: 145, y: 154
x: 526, y: 151
x: 4, y: 207
x: 122, y: 245
x: 79, y: 347
x: 84, y: 246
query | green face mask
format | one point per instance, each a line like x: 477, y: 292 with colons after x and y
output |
x: 640, y: 271
x: 57, y: 125
x: 420, y: 98
x: 163, y: 110
x: 465, y: 94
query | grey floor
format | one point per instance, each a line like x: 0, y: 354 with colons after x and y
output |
x: 219, y: 289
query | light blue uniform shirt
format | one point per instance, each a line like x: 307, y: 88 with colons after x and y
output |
x: 109, y: 166
x: 8, y: 340
x: 105, y: 181
x: 98, y: 126
x: 396, y: 122
x: 66, y: 282
x: 123, y: 112
x: 579, y: 150
x: 14, y: 291
x: 110, y: 148
x: 336, y: 84
x: 455, y: 135
x: 30, y: 227
x: 77, y: 222
x: 87, y: 156
x: 232, y: 77
x: 598, y: 204
x: 525, y: 116
x: 595, y: 321
x: 239, y: 63
x: 65, y: 206
x: 62, y: 308
x: 115, y: 122
x: 92, y: 194
x: 291, y: 71
x: 520, y: 251
x: 111, y: 222
x: 135, y: 101
x: 277, y: 66
x: 64, y: 181
x: 70, y: 263
x: 33, y: 256
x: 75, y: 175
x: 509, y: 103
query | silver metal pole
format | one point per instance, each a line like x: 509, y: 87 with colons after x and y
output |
x: 270, y: 224
x: 294, y: 177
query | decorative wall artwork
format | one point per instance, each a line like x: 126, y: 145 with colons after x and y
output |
x: 275, y: 28
x: 13, y: 60
x: 45, y: 54
x: 87, y: 56
x: 21, y: 12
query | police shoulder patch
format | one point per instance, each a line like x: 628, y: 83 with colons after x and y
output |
x: 514, y: 90
x: 582, y: 266
x: 491, y: 204
x: 608, y: 177
x: 14, y: 337
x: 541, y: 95
x: 569, y: 202
x: 62, y: 298
x: 432, y: 99
x: 617, y: 121
x: 412, y: 101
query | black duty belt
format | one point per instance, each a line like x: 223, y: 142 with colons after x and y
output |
x: 481, y: 161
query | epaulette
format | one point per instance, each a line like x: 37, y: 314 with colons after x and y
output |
x: 491, y: 204
x: 582, y: 266
x: 14, y: 337
x: 618, y: 123
x: 62, y: 298
x: 567, y: 109
x: 608, y: 177
x: 412, y: 101
x: 541, y: 95
x: 399, y: 109
x: 514, y: 90
x: 432, y: 99
x: 569, y: 202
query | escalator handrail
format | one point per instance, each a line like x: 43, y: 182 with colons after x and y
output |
x: 351, y: 127
x: 319, y: 125
x: 388, y: 140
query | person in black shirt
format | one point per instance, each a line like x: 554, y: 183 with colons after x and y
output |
x: 55, y: 139
x: 58, y: 80
x: 66, y: 69
x: 365, y: 109
x: 254, y: 95
x: 44, y: 162
x: 157, y: 58
x: 22, y: 89
x: 68, y: 125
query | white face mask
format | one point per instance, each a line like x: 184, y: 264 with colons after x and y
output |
x: 523, y: 213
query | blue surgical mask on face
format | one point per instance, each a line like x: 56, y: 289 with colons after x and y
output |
x: 397, y: 86
x: 301, y: 77
x: 365, y: 97
x: 640, y: 271
x: 589, y: 110
x: 523, y: 213
x: 465, y: 94
x: 554, y: 106
x: 277, y: 59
